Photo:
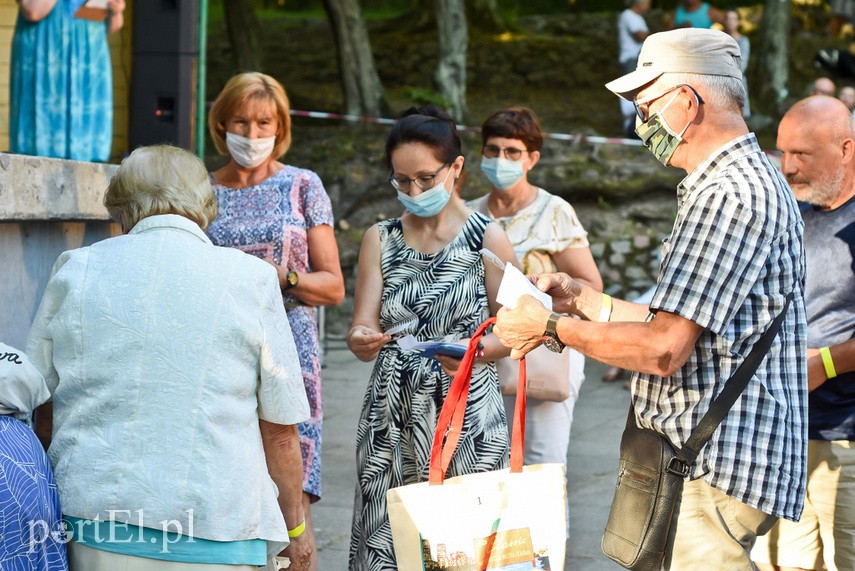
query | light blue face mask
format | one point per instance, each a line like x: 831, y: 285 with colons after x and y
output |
x: 502, y: 173
x: 429, y: 202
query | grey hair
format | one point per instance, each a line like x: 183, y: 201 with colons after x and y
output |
x: 720, y: 90
x: 161, y: 179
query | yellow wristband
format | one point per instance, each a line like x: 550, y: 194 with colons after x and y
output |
x: 828, y: 363
x: 606, y: 310
x: 297, y: 531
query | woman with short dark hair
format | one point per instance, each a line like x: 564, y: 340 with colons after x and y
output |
x: 547, y: 236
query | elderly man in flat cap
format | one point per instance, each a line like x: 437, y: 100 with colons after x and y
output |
x: 734, y: 256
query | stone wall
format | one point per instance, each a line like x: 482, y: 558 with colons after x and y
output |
x: 47, y: 206
x: 623, y: 196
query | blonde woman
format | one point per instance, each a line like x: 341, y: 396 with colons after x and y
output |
x: 281, y: 214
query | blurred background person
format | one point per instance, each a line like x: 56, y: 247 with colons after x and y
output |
x: 847, y: 96
x: 695, y: 14
x: 547, y: 237
x: 422, y: 273
x: 30, y: 514
x: 842, y: 13
x: 632, y: 30
x: 61, y: 82
x: 731, y: 27
x: 283, y: 215
x: 822, y: 86
x: 175, y: 386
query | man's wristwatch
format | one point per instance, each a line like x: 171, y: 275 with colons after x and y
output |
x: 291, y: 279
x: 550, y: 336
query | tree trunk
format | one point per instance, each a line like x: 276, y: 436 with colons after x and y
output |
x: 453, y: 38
x: 772, y: 62
x: 363, y: 92
x: 244, y: 31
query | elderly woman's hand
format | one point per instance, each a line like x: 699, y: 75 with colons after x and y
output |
x: 365, y: 342
x: 299, y: 552
x: 522, y: 328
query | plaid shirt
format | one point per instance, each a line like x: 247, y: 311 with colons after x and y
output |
x: 732, y: 258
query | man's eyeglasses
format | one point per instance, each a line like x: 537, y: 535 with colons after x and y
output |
x: 642, y: 114
x: 424, y: 182
x: 492, y: 151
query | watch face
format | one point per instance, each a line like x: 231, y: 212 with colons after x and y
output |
x: 292, y: 278
x: 553, y: 344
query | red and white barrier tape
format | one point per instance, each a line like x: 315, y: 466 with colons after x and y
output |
x: 577, y: 138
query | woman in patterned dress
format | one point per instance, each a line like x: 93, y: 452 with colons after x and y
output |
x: 547, y: 237
x: 424, y: 269
x: 283, y: 215
x: 30, y: 514
x: 61, y: 86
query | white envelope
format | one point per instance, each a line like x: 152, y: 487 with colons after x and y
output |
x: 514, y: 285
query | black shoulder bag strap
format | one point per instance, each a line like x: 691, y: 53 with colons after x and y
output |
x: 681, y: 463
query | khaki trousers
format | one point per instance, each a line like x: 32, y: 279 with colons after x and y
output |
x: 713, y: 531
x: 826, y: 531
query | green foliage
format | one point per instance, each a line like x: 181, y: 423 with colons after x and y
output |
x: 422, y: 96
x: 513, y: 9
x: 299, y: 9
x: 594, y: 5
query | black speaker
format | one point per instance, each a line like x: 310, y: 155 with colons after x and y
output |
x: 163, y: 77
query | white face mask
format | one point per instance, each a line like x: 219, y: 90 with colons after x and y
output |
x: 249, y: 153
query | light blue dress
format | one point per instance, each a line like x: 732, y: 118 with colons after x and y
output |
x: 61, y: 87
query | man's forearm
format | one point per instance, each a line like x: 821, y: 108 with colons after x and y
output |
x: 590, y: 306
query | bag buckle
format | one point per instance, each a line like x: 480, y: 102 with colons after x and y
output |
x: 678, y: 467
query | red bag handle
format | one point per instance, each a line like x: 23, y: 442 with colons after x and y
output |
x: 450, y: 422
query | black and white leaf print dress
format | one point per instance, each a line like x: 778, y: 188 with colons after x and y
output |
x: 445, y: 292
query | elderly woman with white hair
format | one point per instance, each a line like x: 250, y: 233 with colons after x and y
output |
x: 30, y: 516
x: 175, y: 386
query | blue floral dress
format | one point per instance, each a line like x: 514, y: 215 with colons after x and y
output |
x: 270, y: 220
x: 31, y: 532
x: 61, y: 87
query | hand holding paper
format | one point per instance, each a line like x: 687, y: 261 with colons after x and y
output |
x: 514, y: 285
x: 521, y: 322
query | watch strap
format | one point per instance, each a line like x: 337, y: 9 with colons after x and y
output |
x: 552, y: 324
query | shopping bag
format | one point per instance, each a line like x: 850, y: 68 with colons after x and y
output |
x: 547, y: 374
x: 510, y: 520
